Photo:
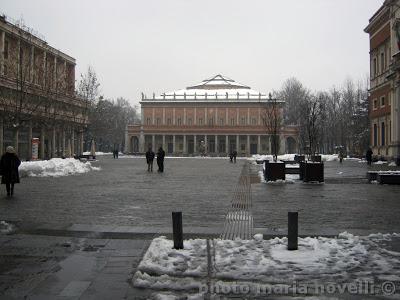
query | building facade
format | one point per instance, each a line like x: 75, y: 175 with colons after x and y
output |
x: 214, y: 118
x: 384, y: 97
x: 37, y: 95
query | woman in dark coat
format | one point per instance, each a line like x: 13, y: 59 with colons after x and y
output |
x: 9, y: 164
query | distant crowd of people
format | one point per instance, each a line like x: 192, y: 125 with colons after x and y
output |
x: 150, y: 155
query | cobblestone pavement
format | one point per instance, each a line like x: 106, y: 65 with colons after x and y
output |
x: 82, y: 236
x: 345, y: 202
x: 124, y: 193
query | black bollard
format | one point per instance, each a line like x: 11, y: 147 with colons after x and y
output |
x: 293, y: 230
x: 177, y: 229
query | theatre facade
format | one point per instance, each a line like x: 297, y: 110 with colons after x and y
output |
x: 214, y: 118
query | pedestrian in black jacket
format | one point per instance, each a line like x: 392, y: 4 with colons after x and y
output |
x: 160, y: 159
x: 149, y: 159
x: 369, y: 156
x: 9, y: 164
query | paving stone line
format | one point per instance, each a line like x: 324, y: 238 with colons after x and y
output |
x: 239, y: 219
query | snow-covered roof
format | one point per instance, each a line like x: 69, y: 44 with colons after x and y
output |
x: 217, y: 88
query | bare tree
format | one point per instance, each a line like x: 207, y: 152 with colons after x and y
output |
x: 272, y: 119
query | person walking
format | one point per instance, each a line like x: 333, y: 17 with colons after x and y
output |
x: 234, y: 156
x: 231, y: 157
x: 341, y: 156
x: 9, y: 164
x: 160, y: 159
x: 368, y: 156
x: 150, y: 159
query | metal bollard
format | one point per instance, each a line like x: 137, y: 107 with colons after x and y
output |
x: 293, y: 230
x: 177, y: 230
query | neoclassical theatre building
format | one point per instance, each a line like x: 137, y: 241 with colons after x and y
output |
x: 216, y: 116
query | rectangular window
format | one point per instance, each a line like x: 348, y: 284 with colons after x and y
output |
x: 382, y: 101
x: 253, y: 121
x: 232, y: 122
x: 169, y: 121
x: 200, y: 121
x: 158, y: 121
x: 375, y: 135
x: 6, y: 45
x: 148, y: 121
x: 242, y: 121
x: 375, y: 67
x: 211, y: 121
x: 375, y: 104
x: 382, y: 62
x: 179, y: 121
x: 189, y: 121
x: 383, y: 134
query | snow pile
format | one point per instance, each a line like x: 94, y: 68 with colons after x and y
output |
x: 392, y: 164
x: 98, y: 153
x: 6, y: 227
x: 55, y: 167
x: 380, y: 162
x: 347, y: 258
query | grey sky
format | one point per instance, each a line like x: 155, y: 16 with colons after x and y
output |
x: 160, y: 45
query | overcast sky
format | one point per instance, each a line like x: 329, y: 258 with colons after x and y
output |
x: 160, y: 45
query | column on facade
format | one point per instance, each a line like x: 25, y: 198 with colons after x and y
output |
x: 173, y: 144
x: 153, y: 142
x: 270, y: 143
x: 2, y: 44
x: 126, y: 142
x: 258, y: 144
x: 184, y: 144
x: 81, y: 142
x: 163, y: 142
x: 194, y: 144
x: 226, y: 144
x: 248, y: 145
x: 1, y: 135
x: 282, y: 144
x: 63, y: 142
x: 216, y: 144
x: 396, y: 124
x: 55, y: 73
x: 42, y: 137
x: 31, y: 67
x: 30, y: 139
x: 53, y: 143
x: 237, y: 144
x: 141, y: 137
x: 16, y: 139
x: 44, y: 68
x: 72, y: 141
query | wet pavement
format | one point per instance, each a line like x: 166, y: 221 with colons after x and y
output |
x: 82, y: 236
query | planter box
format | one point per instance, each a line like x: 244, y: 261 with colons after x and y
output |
x: 316, y: 158
x: 274, y: 171
x: 313, y: 171
x: 299, y: 158
x: 372, y: 175
x: 388, y: 178
x: 302, y: 169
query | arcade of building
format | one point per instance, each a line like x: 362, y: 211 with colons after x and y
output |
x: 216, y: 116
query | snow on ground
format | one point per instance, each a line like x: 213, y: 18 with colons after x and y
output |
x: 380, y: 162
x: 324, y: 157
x: 55, y: 167
x: 347, y: 258
x: 6, y: 227
x: 98, y: 153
